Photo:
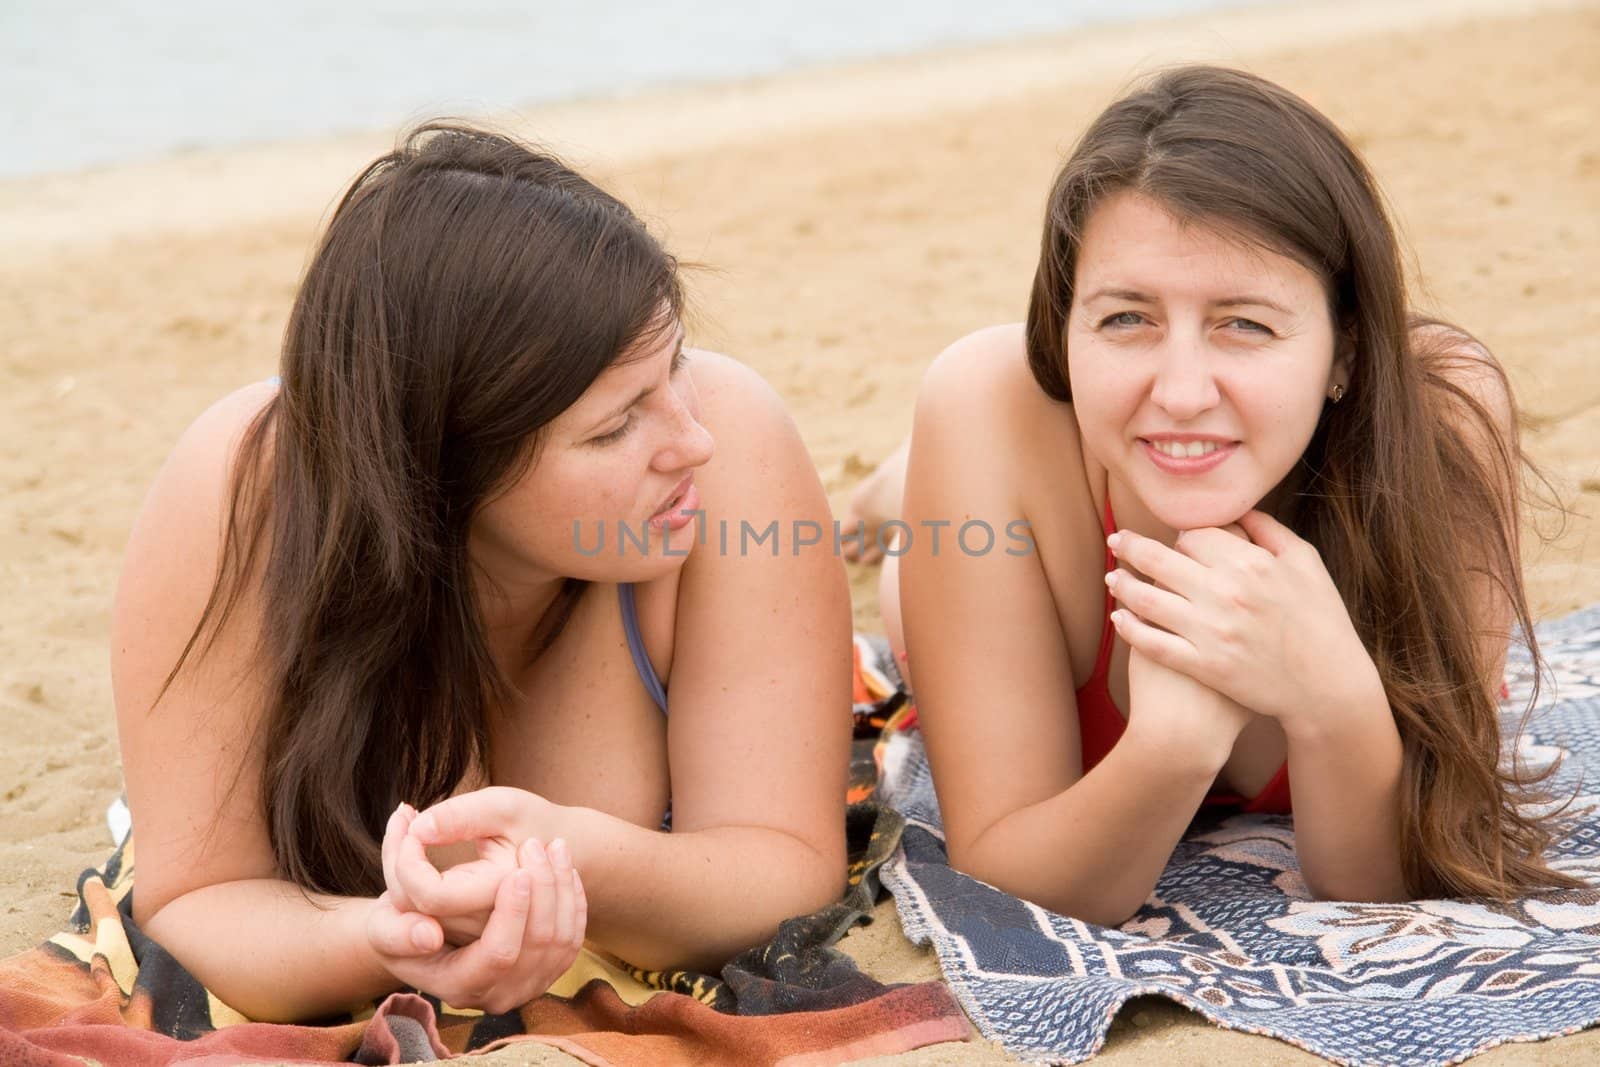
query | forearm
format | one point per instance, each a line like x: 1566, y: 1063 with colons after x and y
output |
x: 266, y: 950
x: 1345, y: 772
x: 693, y: 900
x: 1095, y: 850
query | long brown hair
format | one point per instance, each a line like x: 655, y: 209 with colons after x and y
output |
x: 1404, y: 507
x: 468, y: 289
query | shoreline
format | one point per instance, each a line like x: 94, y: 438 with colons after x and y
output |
x: 127, y: 200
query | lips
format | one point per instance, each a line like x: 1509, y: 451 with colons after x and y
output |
x: 1187, y: 454
x: 677, y: 511
x: 675, y: 497
x: 1185, y: 449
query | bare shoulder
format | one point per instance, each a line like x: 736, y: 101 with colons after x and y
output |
x: 748, y: 595
x: 174, y: 547
x: 755, y: 437
x: 983, y: 382
x: 1471, y: 397
x: 187, y: 736
x: 759, y: 471
x: 984, y: 366
x: 730, y: 391
x: 198, y: 466
x: 1466, y: 370
x: 979, y: 399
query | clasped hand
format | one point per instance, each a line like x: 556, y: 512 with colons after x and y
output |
x: 491, y: 933
x: 1248, y: 611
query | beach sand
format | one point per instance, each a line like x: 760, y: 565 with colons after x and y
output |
x: 855, y: 222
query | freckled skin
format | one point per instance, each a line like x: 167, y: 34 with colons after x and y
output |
x: 584, y: 757
x: 596, y: 466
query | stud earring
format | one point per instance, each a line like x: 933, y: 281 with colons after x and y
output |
x: 1337, y: 394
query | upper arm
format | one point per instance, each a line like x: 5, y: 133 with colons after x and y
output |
x: 759, y: 728
x: 188, y: 759
x: 993, y: 677
x: 1476, y: 404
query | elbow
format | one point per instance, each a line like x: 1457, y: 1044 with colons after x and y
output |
x: 144, y: 915
x: 966, y: 858
x: 969, y: 859
x: 963, y: 856
x: 1076, y: 901
x: 1340, y: 877
x: 791, y: 891
x: 1355, y: 887
x: 794, y: 894
x: 150, y: 914
x: 823, y: 879
x: 1107, y: 914
x: 817, y: 876
x: 155, y: 893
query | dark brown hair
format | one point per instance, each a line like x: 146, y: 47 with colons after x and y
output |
x: 467, y: 290
x: 1407, y: 510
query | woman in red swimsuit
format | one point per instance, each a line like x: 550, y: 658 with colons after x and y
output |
x: 1273, y: 521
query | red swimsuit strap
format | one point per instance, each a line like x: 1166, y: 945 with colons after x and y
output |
x: 1108, y: 635
x: 1099, y: 717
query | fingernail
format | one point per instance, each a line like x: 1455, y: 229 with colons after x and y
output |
x: 422, y: 937
x: 1113, y: 577
x: 423, y: 826
x: 531, y: 851
x: 558, y: 852
x: 1118, y: 617
x: 1114, y: 539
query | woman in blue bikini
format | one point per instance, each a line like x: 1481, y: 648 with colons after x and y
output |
x: 1276, y: 528
x: 449, y: 561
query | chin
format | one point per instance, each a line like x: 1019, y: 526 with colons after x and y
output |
x: 658, y: 563
x: 1198, y: 511
x: 630, y: 566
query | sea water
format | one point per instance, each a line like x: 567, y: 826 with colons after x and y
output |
x: 92, y: 82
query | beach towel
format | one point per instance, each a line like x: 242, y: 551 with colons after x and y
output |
x: 104, y: 992
x: 1231, y: 932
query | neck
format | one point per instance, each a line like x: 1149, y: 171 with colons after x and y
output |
x: 515, y: 611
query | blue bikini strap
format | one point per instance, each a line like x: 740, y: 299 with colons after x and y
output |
x: 641, y: 661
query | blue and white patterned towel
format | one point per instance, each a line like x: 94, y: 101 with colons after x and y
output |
x: 1231, y: 932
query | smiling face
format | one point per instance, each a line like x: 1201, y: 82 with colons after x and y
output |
x: 1199, y: 363
x: 615, y: 470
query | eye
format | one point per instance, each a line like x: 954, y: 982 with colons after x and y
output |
x: 615, y: 435
x: 680, y: 359
x: 1122, y: 319
x: 1249, y: 326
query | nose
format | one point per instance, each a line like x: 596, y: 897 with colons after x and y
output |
x: 1184, y: 386
x: 688, y: 445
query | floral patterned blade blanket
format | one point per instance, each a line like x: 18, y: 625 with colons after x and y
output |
x: 1230, y: 930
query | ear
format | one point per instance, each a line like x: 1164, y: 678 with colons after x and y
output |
x: 1344, y: 352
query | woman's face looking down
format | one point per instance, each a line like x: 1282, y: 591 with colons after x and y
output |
x: 1199, y: 361
x: 612, y: 480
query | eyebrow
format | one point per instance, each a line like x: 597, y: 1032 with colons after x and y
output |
x: 643, y: 393
x: 1133, y: 295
